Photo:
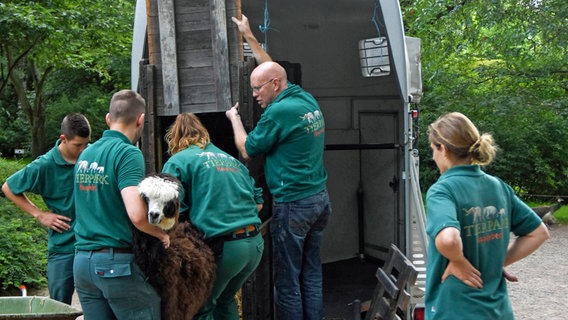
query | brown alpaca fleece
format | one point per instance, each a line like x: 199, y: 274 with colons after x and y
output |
x: 183, y: 274
x: 189, y: 273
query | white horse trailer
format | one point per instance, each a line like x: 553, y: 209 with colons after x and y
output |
x: 354, y: 57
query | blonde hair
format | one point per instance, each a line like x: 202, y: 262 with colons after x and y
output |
x: 187, y: 130
x: 460, y: 136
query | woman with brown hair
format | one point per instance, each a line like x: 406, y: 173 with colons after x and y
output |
x: 219, y: 197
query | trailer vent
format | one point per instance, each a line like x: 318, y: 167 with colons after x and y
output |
x: 374, y: 55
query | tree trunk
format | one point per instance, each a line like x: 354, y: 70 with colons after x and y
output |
x: 32, y: 101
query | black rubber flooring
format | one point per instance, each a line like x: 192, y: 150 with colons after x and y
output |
x: 345, y: 281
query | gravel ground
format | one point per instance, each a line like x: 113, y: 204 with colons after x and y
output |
x: 542, y: 290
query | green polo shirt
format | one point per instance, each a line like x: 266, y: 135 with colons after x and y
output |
x: 217, y: 191
x: 102, y: 171
x: 291, y: 132
x: 486, y: 211
x: 51, y: 177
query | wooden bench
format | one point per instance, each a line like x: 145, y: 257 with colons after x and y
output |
x: 390, y: 297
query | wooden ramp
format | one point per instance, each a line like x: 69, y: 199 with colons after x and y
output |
x: 390, y: 298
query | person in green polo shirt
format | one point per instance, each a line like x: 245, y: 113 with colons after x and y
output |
x: 219, y: 197
x: 51, y: 177
x: 291, y: 134
x: 108, y: 203
x: 469, y: 220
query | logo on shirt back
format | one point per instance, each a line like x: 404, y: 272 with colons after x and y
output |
x: 220, y: 161
x: 88, y: 175
x: 489, y: 221
x: 315, y: 123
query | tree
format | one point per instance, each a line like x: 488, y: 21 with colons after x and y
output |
x: 37, y: 38
x: 14, y: 126
x: 503, y: 63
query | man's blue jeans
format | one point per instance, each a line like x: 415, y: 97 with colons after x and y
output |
x: 297, y: 229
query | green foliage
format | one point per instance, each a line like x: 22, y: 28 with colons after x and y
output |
x: 76, y: 91
x: 23, y: 249
x: 15, y: 128
x: 91, y: 102
x: 69, y: 34
x: 42, y: 38
x: 562, y: 215
x: 504, y: 65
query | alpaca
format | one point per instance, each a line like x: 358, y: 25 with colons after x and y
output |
x: 183, y: 274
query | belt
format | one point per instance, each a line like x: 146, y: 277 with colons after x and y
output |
x: 115, y: 250
x: 246, y: 232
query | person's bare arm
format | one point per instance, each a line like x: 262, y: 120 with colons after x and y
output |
x: 449, y: 244
x: 525, y: 245
x: 244, y: 28
x: 136, y: 209
x: 57, y: 222
x: 238, y: 130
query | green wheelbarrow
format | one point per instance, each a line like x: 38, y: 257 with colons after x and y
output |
x: 36, y: 307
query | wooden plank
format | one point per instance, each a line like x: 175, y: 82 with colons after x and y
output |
x: 197, y: 76
x: 200, y: 108
x: 148, y: 145
x: 239, y: 40
x: 166, y: 17
x: 186, y: 6
x: 198, y: 94
x: 194, y: 40
x: 235, y: 48
x: 388, y: 285
x: 220, y: 47
x: 153, y: 31
x: 194, y: 59
x: 194, y: 20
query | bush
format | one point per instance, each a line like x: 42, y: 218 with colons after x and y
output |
x: 23, y: 249
x: 562, y: 215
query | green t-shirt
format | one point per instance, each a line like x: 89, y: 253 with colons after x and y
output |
x: 486, y: 211
x: 51, y: 177
x: 217, y: 191
x: 101, y: 172
x: 291, y: 133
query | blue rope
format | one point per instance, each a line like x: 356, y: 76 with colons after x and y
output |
x: 377, y: 23
x: 264, y: 29
x: 375, y: 17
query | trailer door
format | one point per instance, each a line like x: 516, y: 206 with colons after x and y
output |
x: 380, y: 181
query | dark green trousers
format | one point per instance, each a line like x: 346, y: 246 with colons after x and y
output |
x: 239, y: 260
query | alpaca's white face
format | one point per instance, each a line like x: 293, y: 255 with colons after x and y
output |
x: 161, y: 194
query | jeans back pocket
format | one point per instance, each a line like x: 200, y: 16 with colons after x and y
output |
x: 113, y: 270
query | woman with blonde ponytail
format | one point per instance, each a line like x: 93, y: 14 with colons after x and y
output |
x: 470, y: 216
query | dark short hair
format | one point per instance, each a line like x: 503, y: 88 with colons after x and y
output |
x: 75, y: 124
x: 126, y: 105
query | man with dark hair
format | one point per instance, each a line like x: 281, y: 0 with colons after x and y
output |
x: 110, y: 285
x: 51, y: 177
